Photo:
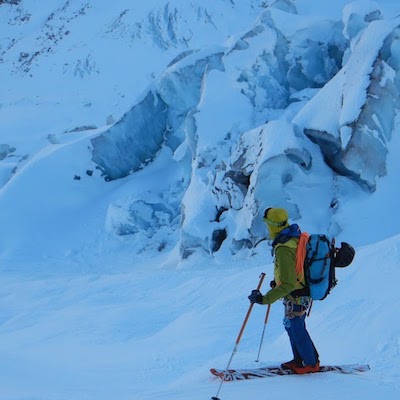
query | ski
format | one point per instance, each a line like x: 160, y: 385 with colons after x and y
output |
x: 264, y: 372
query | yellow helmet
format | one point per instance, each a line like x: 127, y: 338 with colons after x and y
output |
x: 276, y: 220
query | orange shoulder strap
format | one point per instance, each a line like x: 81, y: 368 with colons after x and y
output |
x: 301, y: 255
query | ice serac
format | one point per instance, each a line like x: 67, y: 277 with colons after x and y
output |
x: 181, y: 89
x: 134, y: 140
x: 279, y: 164
x: 153, y: 218
x: 161, y: 126
x: 233, y: 179
x: 158, y: 119
x: 212, y: 115
x: 315, y: 55
x: 361, y: 102
x: 265, y: 155
x: 366, y: 148
x: 269, y: 165
x: 290, y: 62
x: 265, y: 83
x: 357, y: 16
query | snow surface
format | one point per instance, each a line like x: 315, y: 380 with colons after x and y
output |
x: 96, y: 301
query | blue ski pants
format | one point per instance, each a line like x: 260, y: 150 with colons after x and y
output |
x: 302, y: 346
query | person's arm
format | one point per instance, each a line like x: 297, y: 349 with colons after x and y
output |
x: 286, y: 262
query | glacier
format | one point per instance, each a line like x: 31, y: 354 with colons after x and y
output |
x: 233, y: 123
x: 237, y: 174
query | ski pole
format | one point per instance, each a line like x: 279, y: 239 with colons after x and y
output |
x: 309, y: 310
x: 262, y: 336
x: 262, y: 276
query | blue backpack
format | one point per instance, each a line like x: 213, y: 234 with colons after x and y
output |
x: 321, y: 259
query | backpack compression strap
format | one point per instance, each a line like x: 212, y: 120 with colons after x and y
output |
x: 301, y: 255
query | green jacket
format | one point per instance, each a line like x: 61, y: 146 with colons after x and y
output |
x: 285, y: 273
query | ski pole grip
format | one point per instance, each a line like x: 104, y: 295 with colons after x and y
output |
x: 262, y: 276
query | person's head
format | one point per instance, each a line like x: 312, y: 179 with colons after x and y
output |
x: 276, y: 220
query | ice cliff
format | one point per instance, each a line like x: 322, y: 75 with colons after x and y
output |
x: 351, y: 67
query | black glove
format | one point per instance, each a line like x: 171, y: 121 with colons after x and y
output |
x: 255, y: 297
x: 272, y: 284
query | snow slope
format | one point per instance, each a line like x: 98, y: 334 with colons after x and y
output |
x: 154, y: 332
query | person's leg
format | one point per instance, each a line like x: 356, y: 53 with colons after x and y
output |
x: 301, y: 341
x: 288, y: 316
x: 289, y: 329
